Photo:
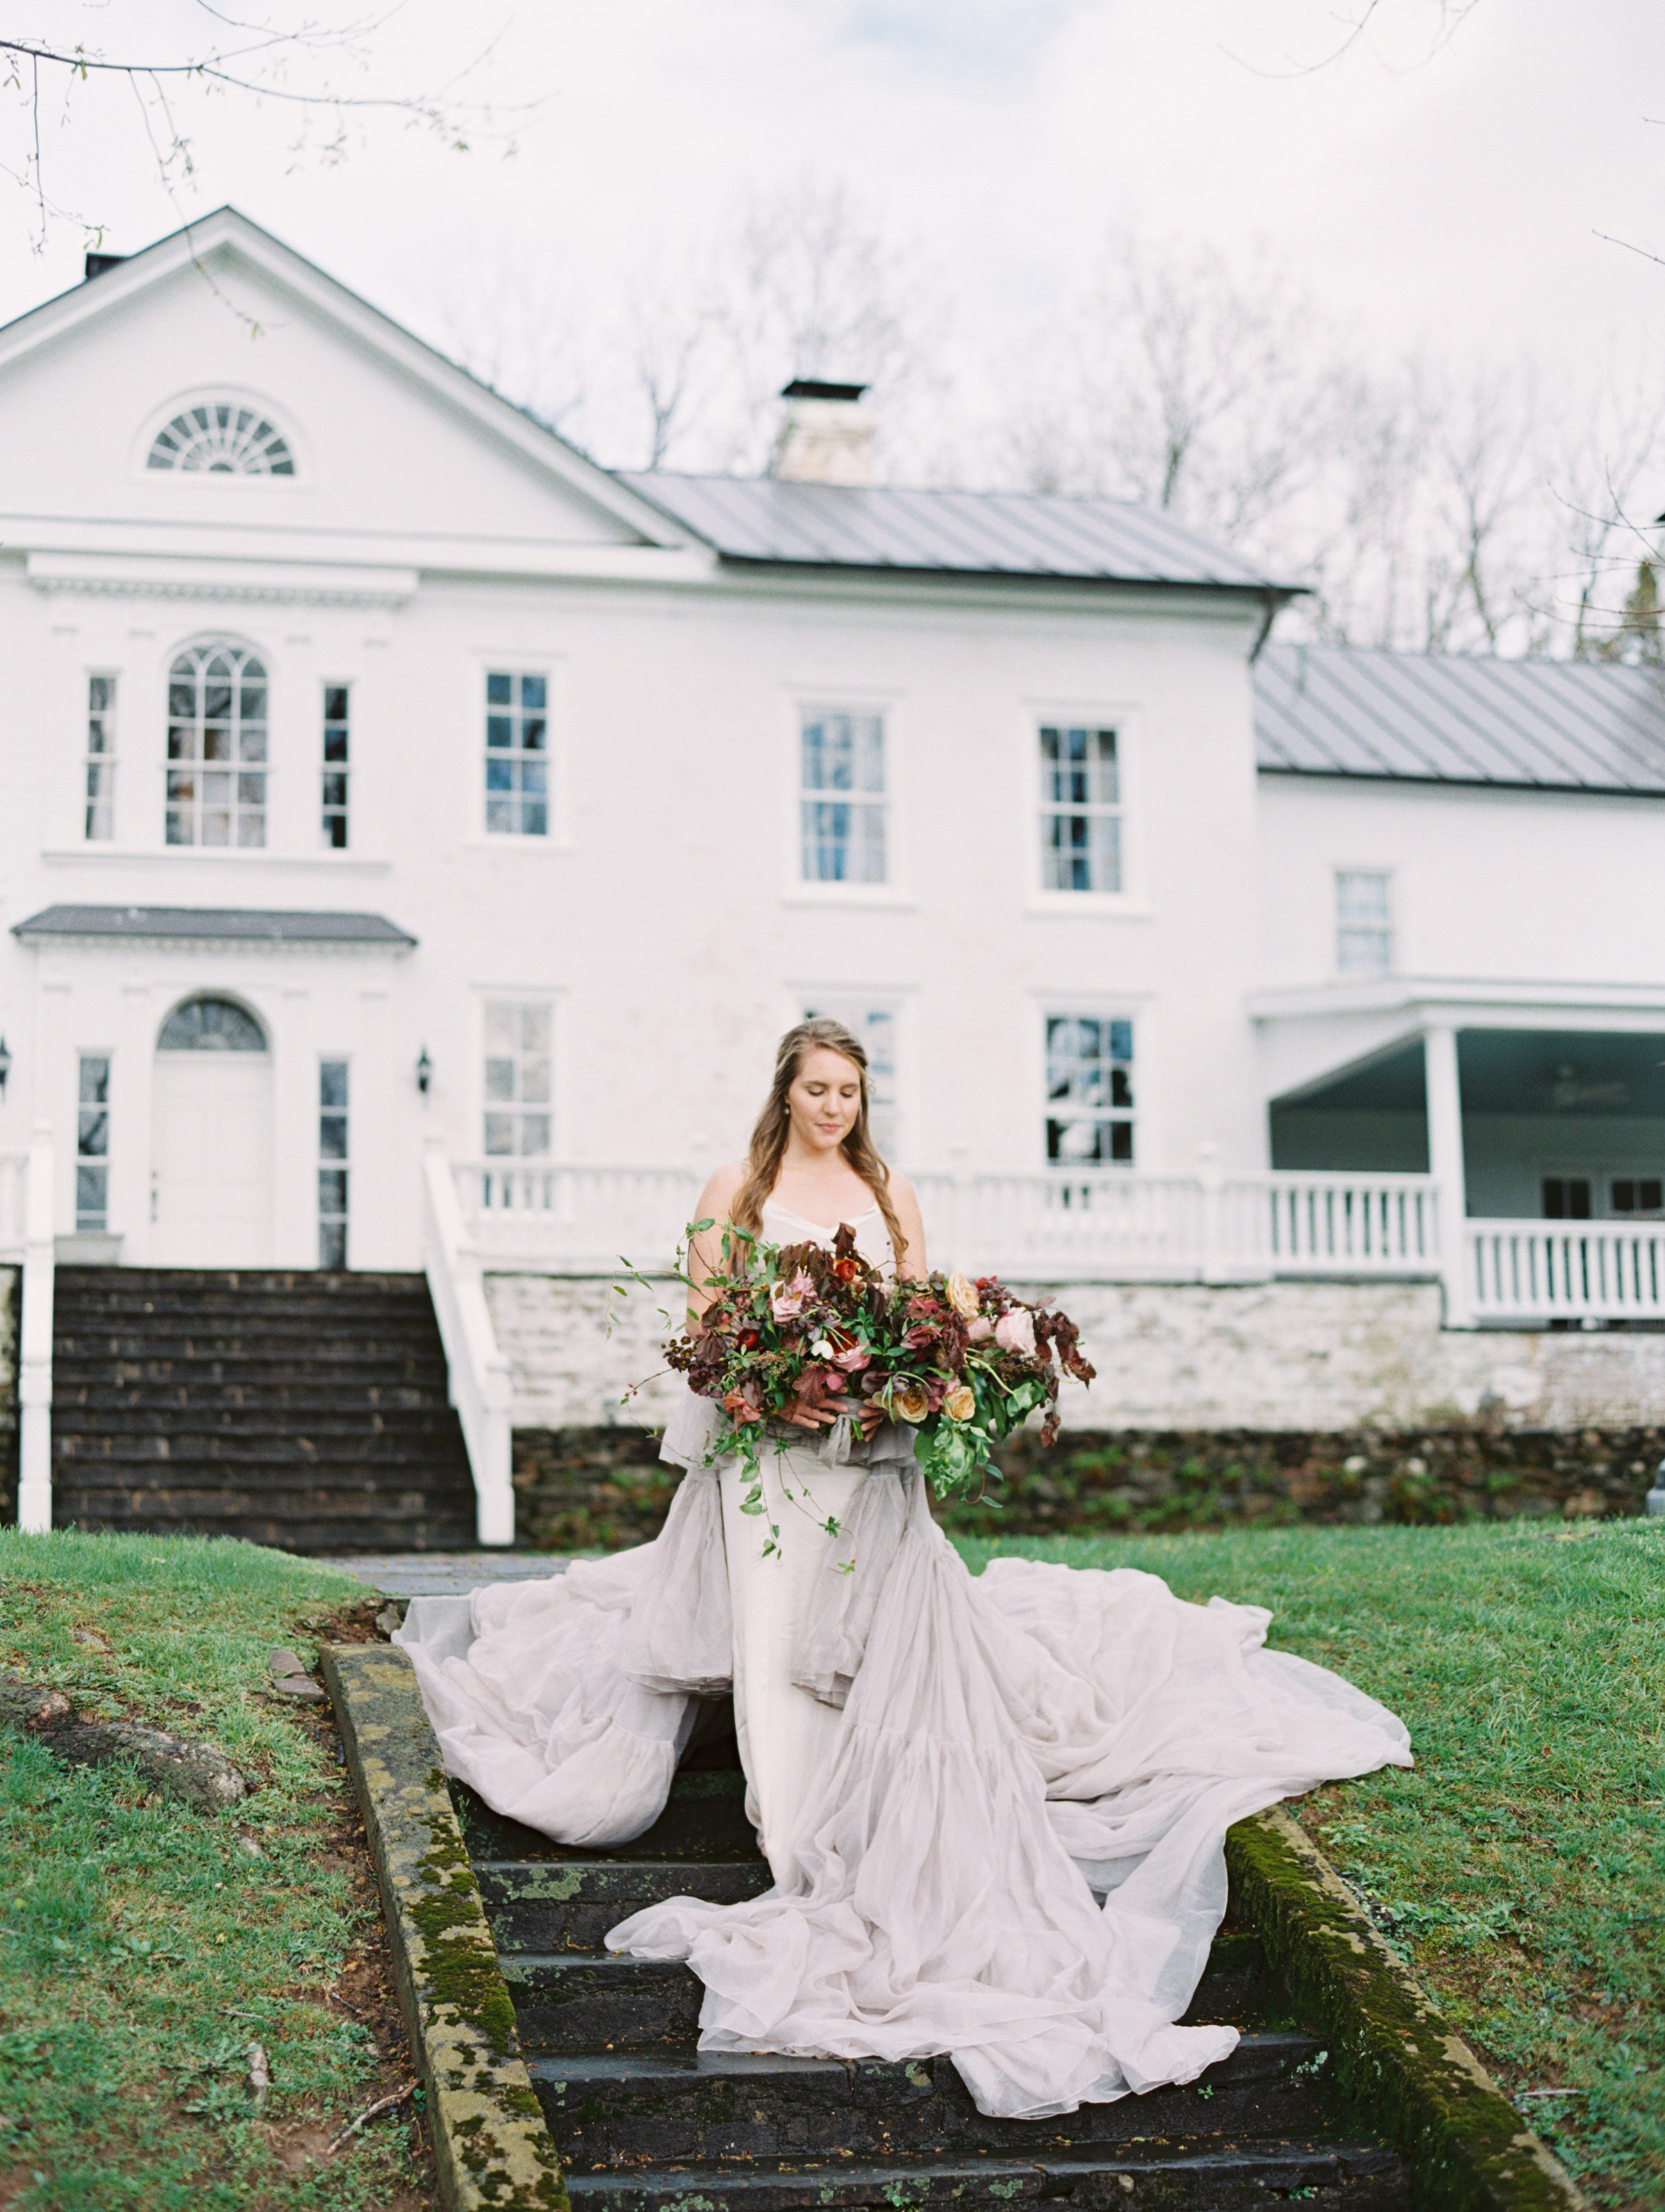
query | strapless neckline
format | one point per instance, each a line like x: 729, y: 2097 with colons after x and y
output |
x: 820, y: 1228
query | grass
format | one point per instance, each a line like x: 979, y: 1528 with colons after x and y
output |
x: 1520, y: 1866
x: 144, y: 1946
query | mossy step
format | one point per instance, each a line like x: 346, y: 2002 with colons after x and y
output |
x: 704, y: 1820
x: 1357, y: 2177
x: 570, y: 1904
x: 564, y: 2003
x: 608, y: 2107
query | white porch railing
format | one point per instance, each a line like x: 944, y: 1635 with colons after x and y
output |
x: 1207, y: 1227
x: 480, y: 1387
x: 13, y: 1182
x: 1541, y: 1270
x: 29, y: 1191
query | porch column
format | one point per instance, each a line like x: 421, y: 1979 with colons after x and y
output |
x: 1444, y: 1088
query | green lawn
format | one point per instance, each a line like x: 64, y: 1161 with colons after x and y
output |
x: 1520, y: 1866
x: 144, y: 1947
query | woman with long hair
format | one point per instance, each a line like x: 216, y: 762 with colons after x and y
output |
x: 994, y: 1808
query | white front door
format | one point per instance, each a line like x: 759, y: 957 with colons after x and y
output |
x: 211, y: 1185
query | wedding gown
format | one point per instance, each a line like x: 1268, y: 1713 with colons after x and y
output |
x: 994, y: 1808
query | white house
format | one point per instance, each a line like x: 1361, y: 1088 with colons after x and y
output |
x: 413, y: 836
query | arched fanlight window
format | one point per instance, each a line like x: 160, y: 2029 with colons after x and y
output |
x: 223, y: 438
x: 216, y: 746
x: 211, y: 1026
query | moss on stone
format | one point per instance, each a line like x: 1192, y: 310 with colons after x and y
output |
x: 1397, y: 2059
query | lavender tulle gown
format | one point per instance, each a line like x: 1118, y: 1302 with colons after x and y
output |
x: 994, y: 1808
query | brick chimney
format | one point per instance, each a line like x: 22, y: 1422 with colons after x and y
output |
x: 825, y: 438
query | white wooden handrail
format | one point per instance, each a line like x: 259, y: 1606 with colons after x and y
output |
x: 1573, y: 1271
x: 480, y: 1384
x: 34, y: 1345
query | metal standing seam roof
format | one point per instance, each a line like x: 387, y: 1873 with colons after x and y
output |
x: 1433, y: 718
x: 215, y: 924
x: 779, y: 521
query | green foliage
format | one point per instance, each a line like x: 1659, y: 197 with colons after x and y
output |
x: 1520, y: 1866
x: 144, y: 1946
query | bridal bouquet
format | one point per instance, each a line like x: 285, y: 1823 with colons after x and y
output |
x: 802, y: 1327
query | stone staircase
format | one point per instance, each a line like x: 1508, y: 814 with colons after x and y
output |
x: 305, y: 1410
x: 644, y: 2123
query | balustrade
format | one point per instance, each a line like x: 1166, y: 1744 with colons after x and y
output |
x: 1540, y: 1271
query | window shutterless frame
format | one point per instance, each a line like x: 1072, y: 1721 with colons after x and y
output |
x: 845, y: 818
x: 1077, y: 800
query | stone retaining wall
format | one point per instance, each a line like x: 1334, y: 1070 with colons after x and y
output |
x: 11, y: 1294
x: 1307, y: 1358
x: 582, y: 1489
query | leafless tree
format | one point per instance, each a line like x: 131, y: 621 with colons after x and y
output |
x: 296, y: 68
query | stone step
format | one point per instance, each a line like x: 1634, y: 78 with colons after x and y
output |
x: 133, y: 1458
x: 282, y: 1394
x: 570, y: 1904
x: 704, y: 1820
x: 192, y: 1498
x: 309, y: 1539
x: 606, y: 2108
x: 251, y: 1282
x: 1350, y: 2176
x: 250, y: 1422
x: 317, y: 1349
x: 575, y: 2001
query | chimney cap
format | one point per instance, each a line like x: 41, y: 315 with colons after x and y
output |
x: 98, y: 263
x: 811, y: 388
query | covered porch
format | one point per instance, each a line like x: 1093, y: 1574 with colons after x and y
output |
x: 1539, y: 1122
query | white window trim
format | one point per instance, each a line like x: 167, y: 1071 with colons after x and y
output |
x: 107, y: 1053
x: 201, y: 395
x: 520, y: 661
x: 896, y: 891
x: 1338, y: 869
x: 1135, y: 1006
x: 1129, y: 903
x: 561, y: 1103
x: 114, y: 676
x: 275, y: 728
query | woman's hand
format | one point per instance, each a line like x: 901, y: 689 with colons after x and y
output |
x: 867, y: 1415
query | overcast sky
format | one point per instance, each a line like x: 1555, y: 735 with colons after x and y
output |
x: 1446, y: 191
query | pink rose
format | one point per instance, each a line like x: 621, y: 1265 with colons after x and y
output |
x: 854, y: 1361
x: 1015, y: 1331
x: 786, y: 1299
x: 980, y: 1331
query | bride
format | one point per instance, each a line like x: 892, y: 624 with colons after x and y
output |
x: 993, y: 1808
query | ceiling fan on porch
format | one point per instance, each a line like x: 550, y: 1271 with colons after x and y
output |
x: 1569, y: 1091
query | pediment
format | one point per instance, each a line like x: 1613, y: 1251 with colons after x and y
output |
x: 292, y: 406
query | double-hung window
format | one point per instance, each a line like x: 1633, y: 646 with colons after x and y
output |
x: 333, y: 1152
x: 100, y: 821
x: 519, y: 1089
x: 1089, y: 1091
x: 842, y: 797
x: 334, y: 814
x: 517, y: 754
x: 1364, y: 922
x: 1081, y: 808
x: 93, y: 1143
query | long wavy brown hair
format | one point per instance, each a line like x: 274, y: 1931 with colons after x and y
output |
x: 768, y: 1138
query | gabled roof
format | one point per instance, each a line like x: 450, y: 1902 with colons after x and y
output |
x: 226, y: 233
x: 778, y: 522
x: 216, y: 925
x: 1434, y: 717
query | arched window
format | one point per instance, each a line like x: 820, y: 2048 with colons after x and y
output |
x: 221, y: 438
x: 216, y: 747
x: 211, y: 1026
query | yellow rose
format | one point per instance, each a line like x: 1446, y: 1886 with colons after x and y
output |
x: 963, y: 1296
x: 910, y: 1401
x: 960, y: 1404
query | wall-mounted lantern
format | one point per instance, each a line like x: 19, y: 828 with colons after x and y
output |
x: 5, y: 1066
x: 424, y: 1071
